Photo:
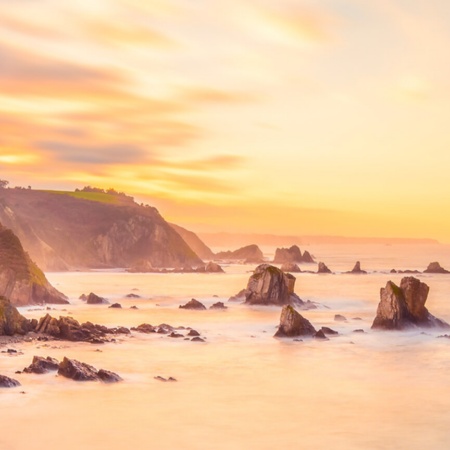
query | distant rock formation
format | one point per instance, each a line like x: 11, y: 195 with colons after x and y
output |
x: 194, y: 242
x: 211, y: 267
x: 69, y: 230
x: 248, y: 254
x: 357, y: 269
x: 435, y: 267
x: 193, y: 304
x: 290, y: 267
x: 291, y: 255
x: 404, y: 306
x: 21, y: 280
x: 11, y: 321
x: 293, y: 324
x: 322, y: 268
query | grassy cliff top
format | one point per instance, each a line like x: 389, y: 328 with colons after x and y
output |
x: 100, y: 197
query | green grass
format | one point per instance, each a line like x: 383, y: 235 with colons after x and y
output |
x: 92, y: 196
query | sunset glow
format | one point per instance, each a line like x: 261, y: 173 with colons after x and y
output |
x: 289, y: 117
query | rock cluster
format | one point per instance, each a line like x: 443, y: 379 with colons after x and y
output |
x: 404, y: 306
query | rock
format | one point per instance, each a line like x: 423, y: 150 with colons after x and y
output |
x: 287, y: 255
x: 83, y: 297
x: 249, y: 254
x: 404, y: 306
x: 290, y: 267
x: 211, y: 267
x: 94, y: 299
x: 197, y: 339
x: 293, y: 324
x: 193, y: 304
x: 42, y: 365
x: 193, y: 333
x: 145, y: 328
x: 21, y: 280
x: 307, y: 257
x: 132, y: 296
x: 435, y: 267
x: 11, y: 321
x: 359, y: 330
x: 6, y: 382
x: 194, y: 242
x: 174, y: 334
x: 322, y: 268
x: 357, y: 269
x: 329, y: 331
x: 393, y: 271
x: 79, y: 371
x: 134, y: 307
x: 159, y: 378
x: 270, y: 286
x: 240, y: 296
x: 339, y: 318
x: 320, y: 335
x: 115, y: 305
x: 218, y: 305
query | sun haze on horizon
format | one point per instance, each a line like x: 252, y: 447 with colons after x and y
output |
x: 245, y: 116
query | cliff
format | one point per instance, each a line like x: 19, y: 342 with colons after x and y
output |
x: 21, y: 281
x: 73, y: 230
x: 194, y: 242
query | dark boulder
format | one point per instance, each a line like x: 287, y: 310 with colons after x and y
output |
x: 320, y: 335
x: 435, y: 267
x: 193, y: 304
x: 293, y: 324
x: 322, y: 268
x: 94, y: 299
x: 197, y: 339
x: 307, y: 257
x: 404, y: 306
x: 218, y: 305
x: 108, y: 377
x: 329, y: 331
x: 357, y: 269
x: 42, y: 365
x: 144, y: 328
x: 6, y: 382
x: 193, y: 333
x: 115, y: 305
x: 80, y: 371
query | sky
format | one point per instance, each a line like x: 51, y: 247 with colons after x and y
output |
x: 326, y: 117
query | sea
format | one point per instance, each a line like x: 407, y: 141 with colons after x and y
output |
x: 241, y: 389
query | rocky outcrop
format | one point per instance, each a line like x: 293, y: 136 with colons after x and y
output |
x: 194, y: 242
x: 21, y: 281
x: 80, y: 371
x: 6, y: 382
x: 357, y: 269
x: 218, y: 305
x: 293, y: 324
x: 290, y: 267
x: 42, y: 365
x: 248, y: 254
x: 73, y: 230
x: 94, y: 299
x: 435, y: 267
x: 211, y: 267
x: 404, y: 306
x: 322, y: 268
x: 193, y: 304
x: 11, y: 321
x: 291, y: 255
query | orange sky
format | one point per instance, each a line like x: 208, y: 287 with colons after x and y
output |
x: 288, y: 117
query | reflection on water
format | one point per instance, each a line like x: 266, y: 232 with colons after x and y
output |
x: 242, y: 389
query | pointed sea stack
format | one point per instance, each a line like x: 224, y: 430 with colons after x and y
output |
x: 404, y: 306
x: 322, y: 268
x: 293, y: 324
x: 357, y: 269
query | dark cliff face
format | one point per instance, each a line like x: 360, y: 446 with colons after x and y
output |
x: 61, y: 231
x: 21, y: 281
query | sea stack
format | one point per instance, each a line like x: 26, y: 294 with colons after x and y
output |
x: 404, y: 306
x: 293, y: 324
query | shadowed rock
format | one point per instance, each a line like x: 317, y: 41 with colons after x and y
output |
x: 404, y: 306
x: 218, y: 305
x: 6, y: 382
x: 193, y: 304
x: 11, y: 321
x: 307, y: 257
x: 320, y: 335
x: 42, y: 365
x: 115, y: 305
x: 293, y: 324
x: 357, y: 269
x: 435, y: 267
x: 340, y: 318
x: 329, y: 331
x: 94, y: 299
x: 79, y: 371
x: 322, y: 268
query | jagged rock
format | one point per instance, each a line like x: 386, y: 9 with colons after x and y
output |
x: 357, y: 269
x: 322, y: 268
x: 6, y: 382
x: 115, y: 305
x: 290, y: 267
x: 270, y: 286
x: 193, y: 304
x: 42, y: 365
x: 293, y: 324
x: 435, y: 267
x: 404, y: 306
x: 11, y: 321
x: 340, y: 318
x: 94, y: 299
x: 218, y: 305
x: 211, y: 267
x: 287, y: 255
x: 330, y: 331
x: 194, y: 242
x: 320, y: 335
x: 307, y: 257
x: 21, y: 280
x: 248, y: 254
x: 79, y: 371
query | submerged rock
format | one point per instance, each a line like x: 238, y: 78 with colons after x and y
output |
x: 42, y: 365
x: 404, y: 306
x: 6, y: 382
x: 322, y: 268
x: 293, y: 324
x: 435, y: 267
x: 193, y: 304
x: 80, y: 371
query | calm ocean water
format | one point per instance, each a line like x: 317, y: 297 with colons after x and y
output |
x: 242, y: 389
